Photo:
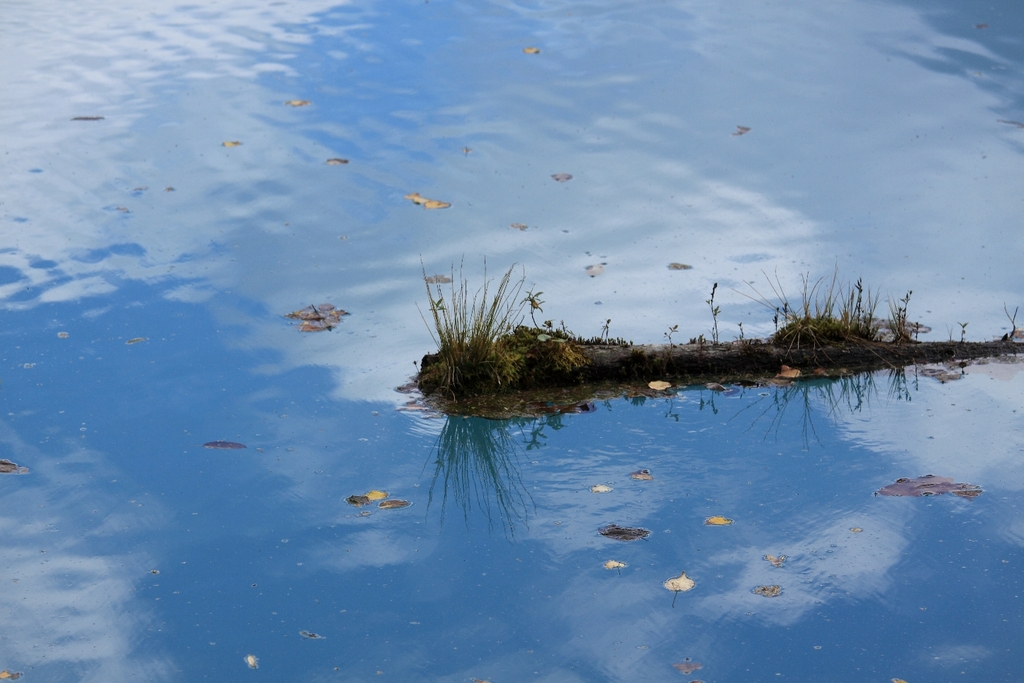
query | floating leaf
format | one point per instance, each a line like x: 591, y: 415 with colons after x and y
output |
x: 769, y: 591
x: 376, y: 495
x: 231, y: 143
x: 224, y: 445
x: 252, y: 661
x: 679, y: 266
x: 63, y: 335
x: 898, y: 680
x: 929, y: 485
x: 855, y: 530
x: 88, y: 118
x: 8, y: 467
x: 336, y: 161
x: 317, y: 318
x: 623, y: 533
x: 562, y: 177
x: 466, y: 151
x: 531, y: 50
x: 358, y: 501
x: 718, y: 520
x: 393, y: 504
x: 776, y: 561
x: 687, y: 666
x: 312, y: 636
x: 416, y: 198
x: 600, y: 488
x: 741, y: 130
x: 680, y: 584
x: 135, y: 340
x: 714, y: 386
x: 641, y: 475
x: 788, y: 373
x: 168, y: 189
x: 519, y: 226
x: 659, y: 385
x: 297, y: 103
x: 13, y: 675
x: 595, y: 270
x: 614, y: 564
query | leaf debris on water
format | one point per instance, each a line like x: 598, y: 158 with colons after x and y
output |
x: 714, y: 386
x: 416, y: 198
x: 680, y: 584
x: 775, y: 561
x: 63, y: 335
x: 297, y: 103
x: 855, y: 530
x: 252, y: 661
x: 623, y: 533
x: 312, y: 636
x: 376, y: 495
x: 336, y: 161
x: 88, y: 118
x: 929, y: 485
x: 687, y: 666
x: 772, y: 591
x: 679, y: 266
x: 518, y: 226
x: 224, y: 445
x: 531, y: 50
x: 787, y: 372
x: 641, y: 475
x: 717, y: 520
x: 8, y: 467
x: 358, y: 501
x: 600, y: 488
x: 136, y: 340
x: 320, y: 318
x: 393, y: 504
x: 231, y: 143
x: 741, y: 130
x: 13, y: 675
x: 595, y: 269
x: 659, y: 385
x: 561, y: 177
x: 614, y: 564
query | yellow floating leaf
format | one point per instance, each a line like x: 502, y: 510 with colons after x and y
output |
x: 718, y: 520
x: 252, y: 661
x: 376, y: 495
x: 787, y: 372
x: 614, y: 564
x: 231, y: 143
x: 776, y: 561
x: 531, y: 50
x: 13, y: 675
x: 600, y: 488
x: 680, y: 583
x: 659, y: 385
x: 416, y: 198
x: 297, y: 103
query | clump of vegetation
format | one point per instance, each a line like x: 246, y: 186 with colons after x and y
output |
x: 482, y: 345
x: 830, y: 312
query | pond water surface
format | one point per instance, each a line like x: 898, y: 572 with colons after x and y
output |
x: 145, y: 269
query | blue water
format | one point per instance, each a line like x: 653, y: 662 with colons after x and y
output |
x: 877, y: 145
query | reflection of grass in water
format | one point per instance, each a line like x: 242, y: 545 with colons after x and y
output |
x: 841, y: 396
x: 477, y: 466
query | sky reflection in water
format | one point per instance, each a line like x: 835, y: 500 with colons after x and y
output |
x: 875, y: 146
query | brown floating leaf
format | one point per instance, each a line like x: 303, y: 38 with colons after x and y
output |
x: 641, y: 475
x: 358, y: 501
x: 687, y: 666
x: 623, y: 533
x: 252, y: 661
x: 659, y: 385
x: 614, y: 564
x: 135, y: 340
x: 297, y: 103
x: 87, y: 118
x: 312, y: 636
x: 717, y: 520
x: 562, y: 177
x: 168, y: 189
x: 769, y: 591
x: 63, y: 335
x: 531, y: 50
x: 519, y: 226
x: 437, y: 280
x: 466, y: 150
x: 231, y: 143
x: 594, y: 270
x: 776, y: 561
x: 741, y: 130
x: 415, y: 198
x: 788, y: 373
x: 679, y: 266
x: 8, y: 467
x: 680, y: 584
x: 600, y: 488
x: 393, y: 504
x: 6, y: 673
x: 336, y: 161
x: 317, y: 318
x: 929, y: 485
x: 224, y: 445
x: 714, y: 386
